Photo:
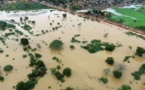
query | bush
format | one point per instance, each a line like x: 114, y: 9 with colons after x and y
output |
x: 104, y: 80
x: 69, y: 88
x: 58, y: 75
x: 125, y: 87
x: 58, y: 67
x: 37, y: 55
x: 64, y: 15
x: 24, y: 41
x: 20, y: 86
x: 140, y: 51
x: 56, y: 44
x: 8, y: 68
x: 24, y: 56
x: 117, y: 74
x: 67, y: 72
x: 110, y: 60
x: 110, y: 47
x: 1, y: 51
x: 1, y: 78
x: 72, y: 46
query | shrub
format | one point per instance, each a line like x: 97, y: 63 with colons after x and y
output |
x: 24, y: 41
x: 58, y: 75
x: 58, y: 67
x: 56, y: 44
x: 117, y: 74
x: 8, y: 68
x: 67, y: 72
x: 72, y: 46
x: 110, y: 47
x: 104, y: 80
x: 1, y: 51
x: 110, y: 60
x: 64, y: 15
x: 24, y: 56
x: 1, y: 78
x: 37, y: 55
x: 69, y: 88
x: 125, y: 87
x: 20, y: 86
x: 140, y: 51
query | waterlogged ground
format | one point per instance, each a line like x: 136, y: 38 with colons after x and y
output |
x: 86, y: 67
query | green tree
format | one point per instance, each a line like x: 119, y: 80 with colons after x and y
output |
x: 56, y: 44
x: 24, y: 41
x: 8, y: 68
x: 67, y: 72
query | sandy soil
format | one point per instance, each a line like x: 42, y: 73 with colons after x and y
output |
x: 86, y: 67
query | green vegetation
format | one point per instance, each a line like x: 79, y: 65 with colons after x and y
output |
x: 72, y: 46
x: 96, y: 45
x: 23, y: 6
x: 8, y: 68
x: 125, y: 87
x: 126, y: 59
x: 5, y: 25
x: 134, y: 34
x: 1, y: 51
x: 104, y: 80
x: 69, y: 88
x: 131, y: 17
x: 137, y: 74
x: 74, y: 40
x: 67, y: 72
x: 1, y: 78
x: 27, y: 27
x: 110, y: 60
x: 56, y: 44
x: 24, y: 56
x: 57, y: 74
x: 37, y: 55
x: 117, y: 74
x: 24, y: 41
x: 140, y: 51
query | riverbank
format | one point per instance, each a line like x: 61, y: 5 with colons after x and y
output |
x: 96, y: 18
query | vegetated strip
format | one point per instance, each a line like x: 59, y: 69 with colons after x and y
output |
x: 134, y: 34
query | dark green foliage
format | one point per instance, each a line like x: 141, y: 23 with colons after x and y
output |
x: 134, y: 34
x: 33, y: 22
x: 117, y: 74
x: 37, y: 55
x: 104, y: 80
x: 58, y: 75
x: 137, y: 74
x: 58, y: 67
x: 23, y: 6
x: 1, y: 78
x: 29, y: 85
x: 125, y: 87
x: 88, y: 12
x: 94, y: 46
x: 74, y: 40
x: 127, y: 58
x: 56, y: 44
x: 4, y: 25
x: 72, y: 46
x: 110, y: 47
x: 27, y: 27
x: 67, y: 72
x: 140, y: 51
x: 8, y: 68
x: 24, y: 41
x: 19, y: 32
x: 1, y: 51
x: 24, y: 56
x: 64, y: 15
x: 110, y: 60
x: 69, y: 88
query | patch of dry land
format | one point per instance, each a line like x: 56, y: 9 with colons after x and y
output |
x: 86, y: 46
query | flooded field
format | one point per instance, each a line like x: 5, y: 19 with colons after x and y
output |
x: 86, y: 67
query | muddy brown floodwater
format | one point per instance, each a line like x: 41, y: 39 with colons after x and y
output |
x: 86, y: 67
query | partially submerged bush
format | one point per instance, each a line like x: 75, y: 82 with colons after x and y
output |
x: 56, y: 44
x: 140, y: 51
x: 104, y: 80
x: 110, y: 60
x: 125, y: 87
x: 72, y: 46
x: 8, y: 68
x: 110, y: 47
x: 1, y: 78
x: 67, y: 72
x: 24, y: 41
x: 117, y: 74
x: 69, y: 88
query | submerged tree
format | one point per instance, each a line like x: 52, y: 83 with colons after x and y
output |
x: 56, y: 44
x: 24, y: 41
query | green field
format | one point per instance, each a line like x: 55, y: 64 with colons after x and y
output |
x: 23, y: 6
x: 130, y: 17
